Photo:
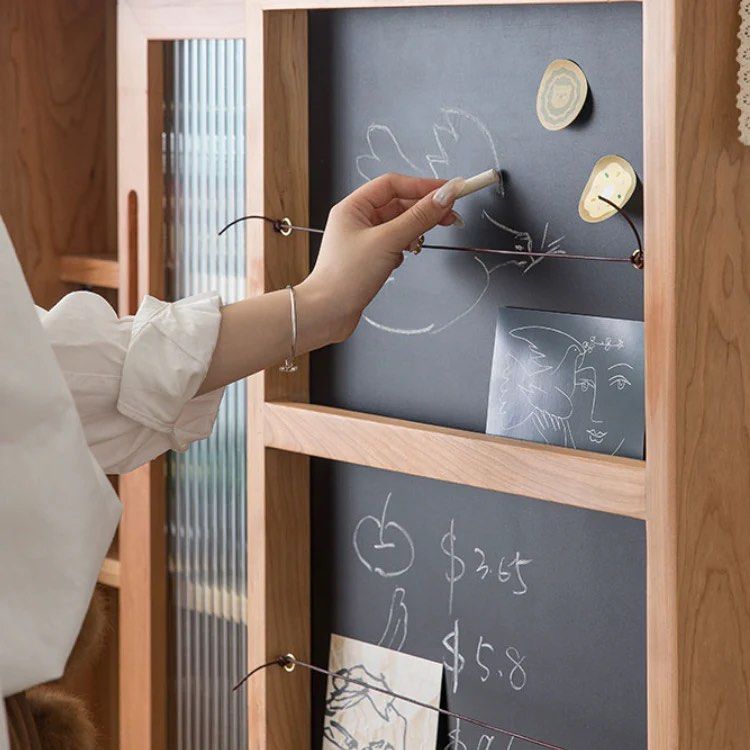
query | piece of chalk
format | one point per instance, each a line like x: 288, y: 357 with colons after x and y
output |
x: 479, y: 181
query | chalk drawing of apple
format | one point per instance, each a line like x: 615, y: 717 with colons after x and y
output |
x: 383, y: 547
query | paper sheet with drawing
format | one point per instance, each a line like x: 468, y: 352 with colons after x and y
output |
x: 361, y: 719
x: 570, y: 380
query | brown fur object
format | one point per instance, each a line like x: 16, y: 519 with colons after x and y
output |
x: 90, y: 641
x: 62, y: 720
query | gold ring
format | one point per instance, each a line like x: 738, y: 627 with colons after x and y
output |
x: 420, y: 244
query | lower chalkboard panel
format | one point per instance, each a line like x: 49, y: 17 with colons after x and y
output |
x: 537, y: 610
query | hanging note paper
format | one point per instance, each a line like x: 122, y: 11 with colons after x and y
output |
x: 562, y: 94
x: 358, y: 717
x: 570, y: 380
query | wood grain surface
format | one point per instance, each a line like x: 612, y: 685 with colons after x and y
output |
x: 583, y: 480
x: 711, y: 491
x: 55, y: 146
x: 698, y: 386
x: 278, y: 482
x: 89, y: 270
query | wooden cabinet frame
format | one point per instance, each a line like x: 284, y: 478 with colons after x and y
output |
x: 142, y: 26
x: 694, y: 488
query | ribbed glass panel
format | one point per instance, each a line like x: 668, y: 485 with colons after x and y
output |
x: 204, y: 159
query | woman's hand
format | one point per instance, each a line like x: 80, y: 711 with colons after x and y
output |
x: 363, y: 244
x: 365, y: 238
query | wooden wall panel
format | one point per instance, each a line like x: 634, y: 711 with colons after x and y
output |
x: 712, y: 378
x: 56, y: 152
x: 698, y: 360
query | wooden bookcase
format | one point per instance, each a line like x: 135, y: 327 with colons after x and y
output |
x: 693, y: 490
x: 142, y: 28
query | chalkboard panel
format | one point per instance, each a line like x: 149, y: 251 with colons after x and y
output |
x: 449, y: 91
x: 546, y: 605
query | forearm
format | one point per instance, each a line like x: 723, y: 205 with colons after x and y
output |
x: 363, y: 244
x: 256, y: 333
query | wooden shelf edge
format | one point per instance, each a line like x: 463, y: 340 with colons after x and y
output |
x: 109, y: 575
x: 343, y: 4
x: 575, y: 478
x: 89, y: 271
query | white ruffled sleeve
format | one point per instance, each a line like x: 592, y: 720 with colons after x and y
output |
x: 134, y: 379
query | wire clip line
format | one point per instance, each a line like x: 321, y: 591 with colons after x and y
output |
x: 289, y: 663
x: 285, y: 227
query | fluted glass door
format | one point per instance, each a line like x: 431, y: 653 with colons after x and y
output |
x: 204, y: 167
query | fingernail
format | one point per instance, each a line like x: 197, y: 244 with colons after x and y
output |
x: 448, y: 192
x: 458, y: 220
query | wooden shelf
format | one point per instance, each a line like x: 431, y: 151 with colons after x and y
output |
x: 576, y: 478
x: 90, y: 270
x: 109, y: 575
x: 333, y: 4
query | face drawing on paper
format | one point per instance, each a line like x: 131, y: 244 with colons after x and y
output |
x: 570, y: 390
x: 460, y: 144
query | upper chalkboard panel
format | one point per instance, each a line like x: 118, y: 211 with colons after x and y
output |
x: 452, y: 91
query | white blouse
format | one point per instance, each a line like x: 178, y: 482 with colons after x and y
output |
x: 123, y: 393
x: 134, y: 379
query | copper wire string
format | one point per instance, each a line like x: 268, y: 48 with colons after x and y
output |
x: 276, y: 222
x: 636, y: 259
x: 285, y: 226
x: 291, y: 661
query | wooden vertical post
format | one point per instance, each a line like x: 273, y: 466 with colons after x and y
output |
x: 698, y: 360
x: 143, y: 564
x: 659, y: 305
x: 278, y: 499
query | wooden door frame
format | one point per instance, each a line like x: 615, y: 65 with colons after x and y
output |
x: 141, y: 27
x: 696, y: 313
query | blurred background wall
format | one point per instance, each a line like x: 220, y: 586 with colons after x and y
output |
x: 57, y: 134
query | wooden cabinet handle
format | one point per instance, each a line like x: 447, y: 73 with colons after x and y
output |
x: 132, y: 252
